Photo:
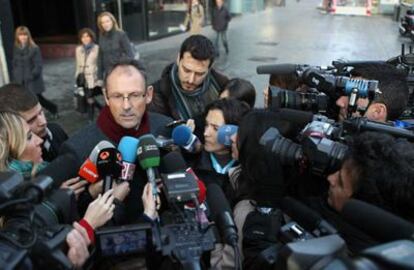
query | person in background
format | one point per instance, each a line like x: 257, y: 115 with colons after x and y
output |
x: 220, y: 22
x: 27, y: 67
x: 87, y: 66
x: 194, y: 18
x: 16, y: 98
x: 240, y: 89
x: 114, y: 43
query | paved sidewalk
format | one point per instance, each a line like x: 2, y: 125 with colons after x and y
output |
x: 297, y: 33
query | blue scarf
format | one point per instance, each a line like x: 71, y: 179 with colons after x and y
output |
x: 25, y: 167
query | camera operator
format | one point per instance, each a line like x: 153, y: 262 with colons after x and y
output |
x: 259, y: 185
x: 378, y: 169
x: 389, y: 104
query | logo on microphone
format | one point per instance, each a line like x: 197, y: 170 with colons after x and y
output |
x: 104, y: 155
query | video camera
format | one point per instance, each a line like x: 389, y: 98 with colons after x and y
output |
x: 325, y: 86
x: 182, y: 232
x: 32, y: 235
x: 322, y: 248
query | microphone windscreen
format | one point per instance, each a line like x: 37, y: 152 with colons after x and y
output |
x: 279, y: 69
x: 173, y: 162
x: 296, y: 117
x: 128, y: 147
x: 95, y: 151
x: 377, y: 222
x: 61, y: 169
x: 148, y: 152
x: 224, y: 134
x: 181, y: 135
x: 217, y: 201
x: 109, y: 163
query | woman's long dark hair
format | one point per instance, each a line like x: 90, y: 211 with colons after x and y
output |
x: 262, y: 176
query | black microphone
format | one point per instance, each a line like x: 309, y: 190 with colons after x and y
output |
x: 173, y: 162
x: 306, y: 217
x: 221, y: 214
x: 61, y: 169
x: 109, y: 165
x: 363, y: 124
x: 378, y: 223
x: 279, y: 69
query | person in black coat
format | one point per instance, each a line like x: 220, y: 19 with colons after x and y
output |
x: 27, y: 67
x: 220, y: 23
x: 113, y: 43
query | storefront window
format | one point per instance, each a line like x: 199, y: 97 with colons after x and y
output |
x: 165, y: 16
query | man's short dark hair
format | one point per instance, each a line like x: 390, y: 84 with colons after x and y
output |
x: 242, y: 90
x: 15, y: 97
x: 127, y: 62
x: 200, y: 48
x: 233, y: 110
x: 383, y: 168
x: 392, y: 84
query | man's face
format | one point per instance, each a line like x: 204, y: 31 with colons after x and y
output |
x: 214, y: 120
x: 36, y: 119
x: 340, y: 187
x: 343, y: 102
x: 219, y: 3
x: 191, y: 72
x: 123, y: 82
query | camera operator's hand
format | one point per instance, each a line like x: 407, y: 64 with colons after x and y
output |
x: 100, y: 210
x: 121, y: 190
x: 265, y: 97
x: 78, y: 241
x: 150, y: 203
x: 75, y: 184
x: 95, y: 189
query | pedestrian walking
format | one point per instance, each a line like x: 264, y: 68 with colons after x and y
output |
x: 221, y: 19
x: 194, y: 18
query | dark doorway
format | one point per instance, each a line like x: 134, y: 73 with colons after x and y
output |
x: 50, y: 21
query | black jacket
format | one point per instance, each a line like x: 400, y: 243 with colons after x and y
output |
x: 221, y: 19
x: 53, y: 141
x: 82, y: 143
x: 27, y: 68
x: 163, y: 99
x: 113, y: 46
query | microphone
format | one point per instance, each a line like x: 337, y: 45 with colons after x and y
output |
x: 279, y: 69
x: 378, y: 223
x: 363, y: 124
x: 128, y: 147
x: 182, y: 136
x: 149, y: 158
x: 88, y: 170
x: 224, y: 134
x: 306, y: 217
x: 61, y: 169
x: 109, y: 164
x: 221, y: 214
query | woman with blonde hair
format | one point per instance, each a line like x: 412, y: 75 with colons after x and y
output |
x: 113, y: 43
x: 20, y: 148
x: 27, y: 67
x: 87, y: 69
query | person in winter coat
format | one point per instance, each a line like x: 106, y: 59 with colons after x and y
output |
x: 87, y: 64
x: 220, y: 22
x: 194, y: 17
x: 114, y: 44
x: 27, y: 67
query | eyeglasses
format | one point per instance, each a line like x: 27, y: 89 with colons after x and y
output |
x: 131, y: 97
